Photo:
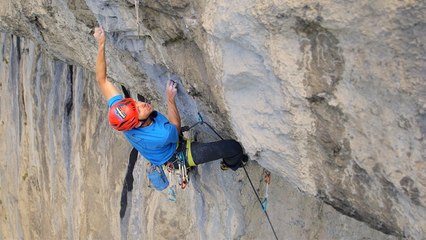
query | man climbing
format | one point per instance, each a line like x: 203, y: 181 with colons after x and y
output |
x: 152, y: 134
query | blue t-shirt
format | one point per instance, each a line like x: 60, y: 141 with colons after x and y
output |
x: 156, y: 142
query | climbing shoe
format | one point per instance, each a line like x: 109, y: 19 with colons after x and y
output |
x: 223, y: 166
x: 244, y: 160
x: 242, y: 163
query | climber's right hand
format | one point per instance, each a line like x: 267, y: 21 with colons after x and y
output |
x: 99, y: 35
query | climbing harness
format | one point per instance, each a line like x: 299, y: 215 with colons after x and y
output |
x: 190, y: 159
x: 179, y: 168
x: 201, y: 121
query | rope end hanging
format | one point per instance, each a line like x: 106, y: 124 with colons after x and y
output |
x: 137, y: 17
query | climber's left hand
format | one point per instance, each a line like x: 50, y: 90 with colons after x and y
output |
x: 171, y: 90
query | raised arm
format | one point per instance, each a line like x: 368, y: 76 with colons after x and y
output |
x: 172, y: 111
x: 107, y: 88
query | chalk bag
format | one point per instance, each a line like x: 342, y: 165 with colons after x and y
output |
x: 157, y: 177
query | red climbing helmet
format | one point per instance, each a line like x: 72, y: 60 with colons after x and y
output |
x: 123, y: 115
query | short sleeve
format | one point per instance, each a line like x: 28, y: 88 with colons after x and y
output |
x: 169, y: 128
x: 173, y: 133
x: 114, y: 100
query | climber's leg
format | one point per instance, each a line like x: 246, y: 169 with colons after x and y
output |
x: 229, y: 150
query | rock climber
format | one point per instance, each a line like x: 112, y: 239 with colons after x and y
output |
x: 152, y: 134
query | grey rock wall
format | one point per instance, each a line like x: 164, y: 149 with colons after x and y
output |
x: 52, y: 168
x: 328, y: 96
x: 62, y: 171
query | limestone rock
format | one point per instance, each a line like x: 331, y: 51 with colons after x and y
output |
x: 328, y: 96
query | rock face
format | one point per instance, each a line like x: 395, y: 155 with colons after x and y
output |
x: 330, y: 97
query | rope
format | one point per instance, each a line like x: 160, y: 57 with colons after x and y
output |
x: 201, y: 121
x: 137, y: 16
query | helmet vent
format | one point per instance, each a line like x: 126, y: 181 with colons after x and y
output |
x: 120, y: 113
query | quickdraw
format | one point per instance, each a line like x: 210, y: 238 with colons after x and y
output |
x: 172, y: 189
x: 183, y: 174
x: 266, y: 181
x: 180, y: 173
